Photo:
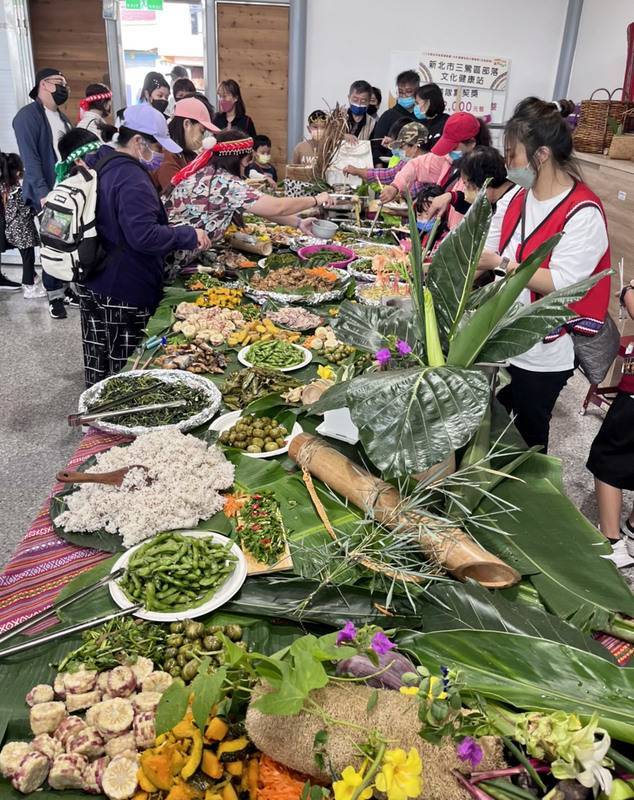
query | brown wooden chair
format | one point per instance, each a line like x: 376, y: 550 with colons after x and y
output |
x: 600, y: 396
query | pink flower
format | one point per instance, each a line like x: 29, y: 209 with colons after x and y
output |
x: 469, y: 750
x: 403, y: 348
x: 383, y: 356
x: 347, y: 633
x: 381, y: 644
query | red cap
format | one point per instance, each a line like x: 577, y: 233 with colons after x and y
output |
x: 459, y: 128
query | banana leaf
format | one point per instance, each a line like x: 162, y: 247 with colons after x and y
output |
x: 469, y: 340
x: 454, y: 264
x: 368, y: 327
x: 413, y: 418
x: 525, y: 326
x: 531, y: 672
x: 553, y: 544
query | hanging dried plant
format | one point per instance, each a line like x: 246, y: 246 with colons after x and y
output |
x: 335, y: 129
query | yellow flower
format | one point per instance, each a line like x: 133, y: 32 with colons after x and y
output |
x: 433, y: 681
x: 400, y: 776
x: 409, y: 690
x: 349, y: 783
x: 326, y: 373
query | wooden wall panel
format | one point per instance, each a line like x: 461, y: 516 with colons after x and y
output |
x: 70, y: 36
x: 253, y: 50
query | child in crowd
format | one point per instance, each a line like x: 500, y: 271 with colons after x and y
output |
x: 20, y: 230
x: 305, y: 152
x: 261, y: 165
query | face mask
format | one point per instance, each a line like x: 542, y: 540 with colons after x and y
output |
x: 419, y: 114
x: 316, y: 134
x: 424, y: 226
x: 522, y: 176
x: 226, y: 105
x: 154, y: 162
x: 470, y: 195
x: 456, y: 155
x: 372, y: 109
x: 358, y: 111
x: 262, y: 158
x: 60, y: 95
x: 406, y: 102
x: 160, y: 105
x: 398, y: 152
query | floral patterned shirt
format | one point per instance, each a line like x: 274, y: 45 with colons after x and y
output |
x: 208, y: 200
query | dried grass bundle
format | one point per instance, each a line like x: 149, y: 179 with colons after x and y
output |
x: 335, y: 129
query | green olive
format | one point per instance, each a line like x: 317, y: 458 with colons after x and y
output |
x: 169, y: 664
x: 257, y: 441
x: 211, y: 629
x: 182, y: 659
x: 270, y: 446
x: 170, y: 652
x: 253, y: 449
x: 177, y: 627
x: 175, y: 640
x: 190, y: 670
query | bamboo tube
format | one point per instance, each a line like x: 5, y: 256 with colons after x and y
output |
x: 451, y: 548
x: 249, y: 244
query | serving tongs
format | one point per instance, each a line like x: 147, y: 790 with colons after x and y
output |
x: 74, y: 420
x: 55, y: 608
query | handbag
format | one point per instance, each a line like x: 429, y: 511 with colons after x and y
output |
x: 595, y: 354
x: 598, y: 121
x: 622, y: 145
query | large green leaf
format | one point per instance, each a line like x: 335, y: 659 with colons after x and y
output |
x: 411, y: 419
x: 471, y: 337
x: 554, y: 544
x: 525, y: 326
x: 368, y: 327
x: 454, y: 264
x: 472, y: 607
x: 531, y: 672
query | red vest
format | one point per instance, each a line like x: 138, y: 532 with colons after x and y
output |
x: 593, y: 307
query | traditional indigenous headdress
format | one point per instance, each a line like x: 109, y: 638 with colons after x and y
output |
x: 86, y: 102
x: 62, y: 168
x: 211, y: 146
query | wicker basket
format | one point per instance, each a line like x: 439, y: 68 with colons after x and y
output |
x: 598, y: 120
x: 622, y: 144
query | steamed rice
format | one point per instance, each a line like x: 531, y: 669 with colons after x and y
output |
x: 186, y: 477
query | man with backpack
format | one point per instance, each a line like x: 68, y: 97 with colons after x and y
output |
x: 38, y: 128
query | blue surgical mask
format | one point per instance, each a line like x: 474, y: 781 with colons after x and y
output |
x: 522, y: 176
x: 358, y: 111
x: 456, y: 155
x: 419, y: 114
x: 424, y: 226
x: 406, y: 102
x: 399, y: 153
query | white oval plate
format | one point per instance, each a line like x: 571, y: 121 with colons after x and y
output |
x: 230, y: 587
x: 227, y: 421
x: 308, y: 357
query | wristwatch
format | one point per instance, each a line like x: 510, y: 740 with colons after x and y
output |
x: 626, y: 289
x: 500, y: 270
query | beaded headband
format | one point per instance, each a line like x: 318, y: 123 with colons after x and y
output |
x: 62, y: 168
x: 86, y: 102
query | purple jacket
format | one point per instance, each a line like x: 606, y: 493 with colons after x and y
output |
x: 134, y: 231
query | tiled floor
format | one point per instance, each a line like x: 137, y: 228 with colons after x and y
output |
x: 41, y: 379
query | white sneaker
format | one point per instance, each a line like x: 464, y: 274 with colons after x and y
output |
x: 34, y: 292
x: 620, y: 556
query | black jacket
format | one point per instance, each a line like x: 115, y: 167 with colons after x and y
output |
x: 435, y: 126
x: 382, y: 128
x: 243, y: 122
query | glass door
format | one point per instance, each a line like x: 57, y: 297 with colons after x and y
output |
x: 159, y: 40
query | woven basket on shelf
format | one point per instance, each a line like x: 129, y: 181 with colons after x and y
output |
x: 598, y: 120
x: 622, y: 145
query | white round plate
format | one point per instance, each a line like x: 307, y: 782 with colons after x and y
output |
x: 308, y: 357
x: 227, y: 421
x: 230, y: 587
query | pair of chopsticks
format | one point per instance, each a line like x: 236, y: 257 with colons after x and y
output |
x: 51, y: 612
x: 75, y: 420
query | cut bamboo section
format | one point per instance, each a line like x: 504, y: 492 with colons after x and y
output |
x: 450, y: 548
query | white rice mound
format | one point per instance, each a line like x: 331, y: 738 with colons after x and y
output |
x: 186, y: 474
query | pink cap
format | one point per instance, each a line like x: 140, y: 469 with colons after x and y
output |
x: 192, y: 108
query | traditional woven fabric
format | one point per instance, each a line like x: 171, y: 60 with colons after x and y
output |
x: 44, y: 563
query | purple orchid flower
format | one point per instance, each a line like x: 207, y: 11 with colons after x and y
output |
x: 469, y: 750
x: 403, y: 348
x: 347, y: 633
x: 383, y: 356
x: 381, y: 644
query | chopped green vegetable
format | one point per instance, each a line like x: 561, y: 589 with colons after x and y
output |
x: 275, y: 354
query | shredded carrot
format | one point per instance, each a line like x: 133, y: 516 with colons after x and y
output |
x: 322, y: 272
x: 233, y: 503
x: 277, y: 782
